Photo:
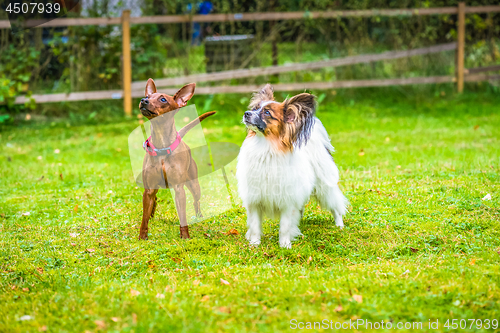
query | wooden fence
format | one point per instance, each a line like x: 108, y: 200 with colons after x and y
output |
x: 136, y: 89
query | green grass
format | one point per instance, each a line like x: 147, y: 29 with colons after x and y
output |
x: 420, y: 244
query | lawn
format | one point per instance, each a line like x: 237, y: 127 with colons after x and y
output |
x: 421, y: 241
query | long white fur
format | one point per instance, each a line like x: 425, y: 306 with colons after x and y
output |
x: 278, y: 184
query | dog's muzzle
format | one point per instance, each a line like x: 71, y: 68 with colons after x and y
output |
x: 252, y: 119
x: 144, y: 107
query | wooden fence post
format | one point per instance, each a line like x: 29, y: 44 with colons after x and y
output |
x: 127, y: 64
x: 460, y: 47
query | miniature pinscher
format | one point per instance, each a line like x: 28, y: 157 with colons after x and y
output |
x: 171, y: 164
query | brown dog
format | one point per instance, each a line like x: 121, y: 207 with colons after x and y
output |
x: 168, y: 162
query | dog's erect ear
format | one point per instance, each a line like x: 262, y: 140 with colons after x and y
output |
x: 184, y: 94
x: 265, y: 94
x: 150, y: 88
x: 299, y: 108
x: 298, y: 116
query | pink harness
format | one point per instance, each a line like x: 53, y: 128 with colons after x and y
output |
x: 151, y: 150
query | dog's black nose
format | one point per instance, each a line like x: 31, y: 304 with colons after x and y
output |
x: 248, y: 114
x: 145, y: 101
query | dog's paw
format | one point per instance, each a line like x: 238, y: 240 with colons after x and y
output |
x: 254, y: 242
x: 253, y: 239
x: 338, y: 221
x: 285, y: 243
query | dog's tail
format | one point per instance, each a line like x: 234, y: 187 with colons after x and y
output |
x: 195, y: 122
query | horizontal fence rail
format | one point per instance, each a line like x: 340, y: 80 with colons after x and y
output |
x: 482, y: 69
x: 270, y: 70
x: 243, y: 17
x: 118, y: 94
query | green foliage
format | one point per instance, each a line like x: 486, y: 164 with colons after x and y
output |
x: 87, y: 58
x: 16, y: 70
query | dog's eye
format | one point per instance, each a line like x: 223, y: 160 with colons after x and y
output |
x: 163, y: 99
x: 267, y: 113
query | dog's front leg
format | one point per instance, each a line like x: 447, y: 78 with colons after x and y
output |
x: 180, y: 204
x: 289, y: 226
x: 254, y: 223
x: 148, y: 206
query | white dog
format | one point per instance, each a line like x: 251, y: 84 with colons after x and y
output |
x: 284, y: 160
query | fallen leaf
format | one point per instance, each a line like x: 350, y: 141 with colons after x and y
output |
x: 40, y: 270
x: 39, y: 179
x: 205, y: 298
x: 90, y: 250
x: 42, y: 328
x: 309, y: 259
x: 115, y: 319
x: 26, y: 214
x: 338, y: 308
x: 211, y: 204
x: 225, y: 309
x: 196, y: 282
x: 72, y: 244
x: 13, y: 287
x: 61, y: 176
x: 73, y: 234
x: 100, y: 323
x: 414, y: 250
x: 408, y: 201
x: 358, y: 298
x: 134, y: 318
x: 476, y: 127
x: 26, y: 289
x: 75, y: 210
x: 222, y: 281
x: 361, y: 152
x: 160, y: 296
x: 232, y: 232
x: 134, y: 292
x: 472, y: 261
x: 302, y: 277
x: 487, y: 197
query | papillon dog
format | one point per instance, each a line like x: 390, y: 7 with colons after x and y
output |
x: 284, y: 160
